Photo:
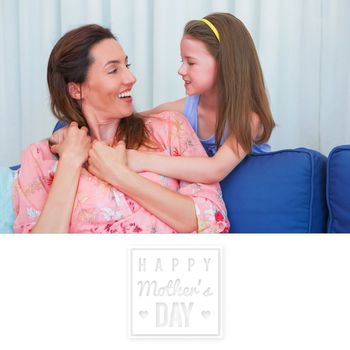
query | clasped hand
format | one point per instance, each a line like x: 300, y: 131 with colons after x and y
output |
x: 102, y: 160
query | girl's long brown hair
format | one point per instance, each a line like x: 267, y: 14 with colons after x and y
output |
x: 240, y: 82
x: 69, y: 61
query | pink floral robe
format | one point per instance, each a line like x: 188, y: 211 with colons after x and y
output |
x: 99, y: 207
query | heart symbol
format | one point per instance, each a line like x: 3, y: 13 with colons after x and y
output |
x: 206, y: 313
x: 143, y: 314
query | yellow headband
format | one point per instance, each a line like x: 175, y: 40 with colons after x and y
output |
x: 212, y: 27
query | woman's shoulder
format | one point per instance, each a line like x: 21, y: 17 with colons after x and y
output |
x: 39, y: 150
x: 173, y: 131
x: 177, y: 105
x: 36, y: 161
x: 166, y: 118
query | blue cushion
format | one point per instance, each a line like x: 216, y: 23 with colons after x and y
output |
x: 281, y: 191
x: 7, y: 215
x: 15, y: 167
x: 59, y: 125
x: 338, y: 189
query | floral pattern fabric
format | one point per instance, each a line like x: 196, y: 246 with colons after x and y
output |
x: 99, y: 207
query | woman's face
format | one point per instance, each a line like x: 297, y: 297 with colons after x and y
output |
x: 106, y: 92
x: 199, y: 67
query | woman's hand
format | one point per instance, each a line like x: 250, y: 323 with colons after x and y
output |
x: 107, y: 163
x: 75, y: 146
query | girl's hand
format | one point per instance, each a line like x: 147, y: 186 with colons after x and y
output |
x: 107, y: 162
x: 58, y: 136
x: 75, y: 146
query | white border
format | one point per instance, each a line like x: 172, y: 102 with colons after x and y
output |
x: 219, y: 335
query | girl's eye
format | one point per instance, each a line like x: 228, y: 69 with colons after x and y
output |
x: 128, y: 65
x: 113, y: 71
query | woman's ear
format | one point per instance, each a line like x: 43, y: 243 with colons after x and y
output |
x: 74, y: 90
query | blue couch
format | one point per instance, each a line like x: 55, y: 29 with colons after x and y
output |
x: 338, y: 189
x: 283, y: 191
x: 288, y: 191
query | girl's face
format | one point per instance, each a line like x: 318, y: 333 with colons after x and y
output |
x: 199, y: 67
x: 106, y: 92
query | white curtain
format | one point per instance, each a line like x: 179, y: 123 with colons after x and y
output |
x: 304, y: 48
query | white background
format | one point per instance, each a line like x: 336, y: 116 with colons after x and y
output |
x: 70, y: 291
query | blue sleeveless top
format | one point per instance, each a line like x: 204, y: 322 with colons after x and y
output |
x: 191, y: 113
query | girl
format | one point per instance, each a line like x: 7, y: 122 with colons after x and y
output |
x: 227, y: 104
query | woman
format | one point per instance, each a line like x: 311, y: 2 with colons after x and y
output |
x: 88, y: 187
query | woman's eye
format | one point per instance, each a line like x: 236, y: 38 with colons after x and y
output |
x: 113, y: 71
x: 128, y: 65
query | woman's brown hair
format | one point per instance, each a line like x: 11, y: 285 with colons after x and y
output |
x: 69, y: 61
x: 240, y: 82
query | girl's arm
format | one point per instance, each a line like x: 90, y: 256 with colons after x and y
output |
x: 191, y: 169
x: 173, y: 208
x: 194, y: 169
x: 177, y: 105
